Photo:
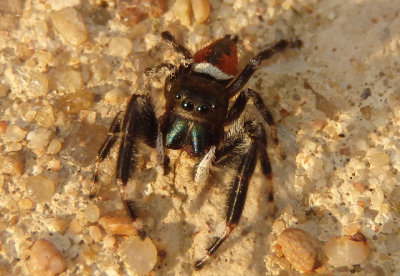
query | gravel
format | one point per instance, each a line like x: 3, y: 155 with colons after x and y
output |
x: 68, y: 67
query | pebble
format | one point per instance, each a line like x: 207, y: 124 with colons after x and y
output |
x: 359, y: 187
x: 116, y: 96
x: 45, y: 259
x: 66, y: 80
x: 39, y: 188
x: 346, y: 250
x: 26, y: 113
x: 318, y: 124
x: 75, y: 102
x: 89, y: 116
x: 54, y: 147
x: 299, y: 248
x: 92, y: 213
x: 38, y: 139
x: 61, y: 4
x: 13, y: 146
x: 41, y: 28
x: 201, y: 10
x: 41, y: 60
x: 129, y: 14
x: 100, y: 16
x: 54, y: 165
x: 4, y: 89
x: 25, y: 204
x: 119, y: 47
x: 119, y: 225
x: 12, y: 164
x: 101, y: 70
x: 38, y: 84
x: 140, y: 255
x: 366, y: 112
x: 75, y: 226
x: 15, y: 133
x: 45, y: 116
x: 23, y: 51
x: 95, y: 233
x: 361, y: 145
x: 3, y: 127
x: 57, y: 224
x: 69, y: 24
x: 181, y: 10
x: 109, y: 241
x: 157, y: 8
x: 133, y: 12
x: 63, y: 121
x: 83, y: 142
x: 377, y: 159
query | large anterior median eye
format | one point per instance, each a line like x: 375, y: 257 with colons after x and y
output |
x: 187, y: 105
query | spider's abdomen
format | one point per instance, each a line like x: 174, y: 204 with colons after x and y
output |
x: 218, y: 60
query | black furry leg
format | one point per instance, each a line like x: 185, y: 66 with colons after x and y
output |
x: 139, y: 122
x: 169, y: 38
x: 160, y: 69
x: 235, y: 150
x: 255, y: 62
x: 239, y: 105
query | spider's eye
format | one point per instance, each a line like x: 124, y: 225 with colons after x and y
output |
x: 203, y: 108
x: 178, y: 96
x: 187, y: 105
x: 214, y: 106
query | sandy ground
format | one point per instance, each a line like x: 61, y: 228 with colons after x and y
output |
x: 335, y: 101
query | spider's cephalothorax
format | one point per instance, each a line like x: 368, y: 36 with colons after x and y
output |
x: 198, y: 94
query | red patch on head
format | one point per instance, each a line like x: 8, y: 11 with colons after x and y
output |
x: 222, y: 53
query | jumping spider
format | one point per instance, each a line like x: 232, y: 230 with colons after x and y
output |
x: 198, y: 93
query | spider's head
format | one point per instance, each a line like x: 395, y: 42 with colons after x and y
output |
x: 197, y: 98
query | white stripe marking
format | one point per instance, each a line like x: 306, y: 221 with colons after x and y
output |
x: 211, y: 70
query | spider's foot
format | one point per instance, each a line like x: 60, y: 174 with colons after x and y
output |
x: 139, y: 226
x: 200, y: 263
x: 296, y: 43
x: 142, y: 234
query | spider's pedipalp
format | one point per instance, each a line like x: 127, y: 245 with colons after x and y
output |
x: 203, y: 168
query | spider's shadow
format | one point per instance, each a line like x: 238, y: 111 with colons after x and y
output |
x: 172, y: 239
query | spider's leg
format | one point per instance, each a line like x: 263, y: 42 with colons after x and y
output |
x: 226, y: 152
x: 266, y: 166
x: 168, y: 37
x: 255, y: 62
x: 139, y: 122
x: 112, y: 137
x: 160, y: 69
x: 237, y: 109
x: 245, y: 149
